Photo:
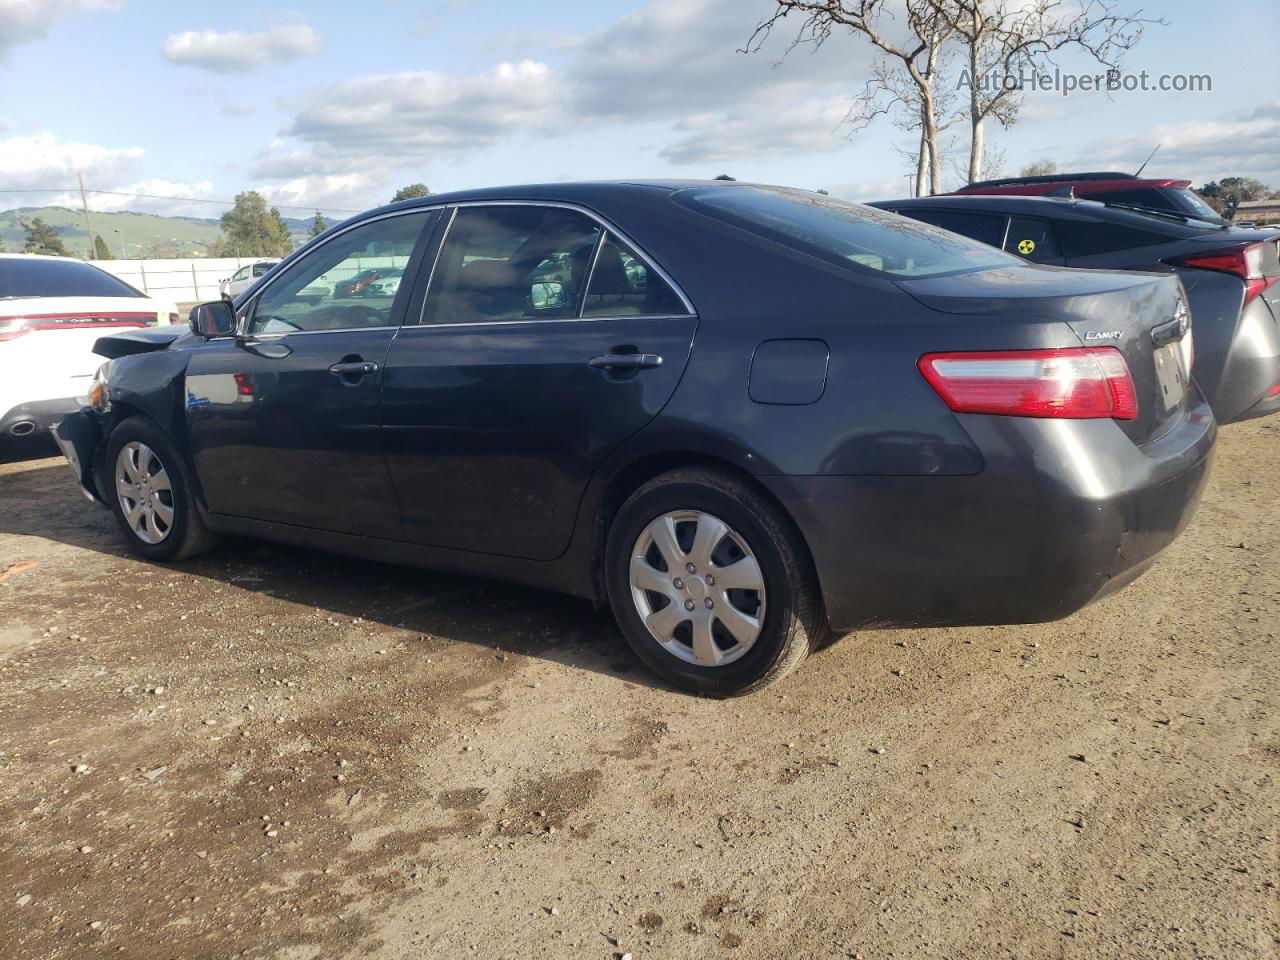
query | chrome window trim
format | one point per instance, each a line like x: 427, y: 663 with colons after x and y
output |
x: 532, y: 320
x: 603, y: 223
x: 277, y: 334
x: 242, y: 327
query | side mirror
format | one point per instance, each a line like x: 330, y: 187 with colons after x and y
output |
x: 546, y: 294
x: 217, y: 318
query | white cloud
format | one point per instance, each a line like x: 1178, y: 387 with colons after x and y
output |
x: 237, y: 52
x: 22, y: 21
x: 40, y: 161
x: 1243, y: 144
x: 236, y: 108
x: 770, y: 127
x: 681, y: 57
x: 416, y: 113
x: 328, y: 193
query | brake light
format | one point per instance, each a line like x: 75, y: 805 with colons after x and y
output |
x: 1244, y: 262
x: 13, y: 327
x: 1070, y: 383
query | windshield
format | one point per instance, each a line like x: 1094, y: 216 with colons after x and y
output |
x: 864, y: 239
x: 34, y: 277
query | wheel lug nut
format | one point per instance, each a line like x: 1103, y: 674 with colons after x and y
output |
x: 711, y: 581
x: 688, y: 604
x: 709, y: 602
x: 678, y: 583
x: 689, y: 567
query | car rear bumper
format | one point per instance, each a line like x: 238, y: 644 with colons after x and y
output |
x: 1064, y: 512
x: 37, y: 416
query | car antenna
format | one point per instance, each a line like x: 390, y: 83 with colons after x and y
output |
x: 1148, y: 160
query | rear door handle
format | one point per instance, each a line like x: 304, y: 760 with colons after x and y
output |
x: 626, y: 361
x: 354, y: 368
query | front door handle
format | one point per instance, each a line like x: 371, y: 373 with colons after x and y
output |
x: 626, y: 361
x: 354, y: 368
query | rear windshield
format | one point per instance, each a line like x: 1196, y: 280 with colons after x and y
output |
x: 22, y: 277
x: 864, y: 239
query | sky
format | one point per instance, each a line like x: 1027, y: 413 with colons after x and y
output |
x: 334, y: 105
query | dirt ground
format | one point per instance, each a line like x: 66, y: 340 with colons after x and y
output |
x: 275, y: 753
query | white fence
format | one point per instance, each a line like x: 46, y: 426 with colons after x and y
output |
x: 195, y: 280
x: 183, y: 281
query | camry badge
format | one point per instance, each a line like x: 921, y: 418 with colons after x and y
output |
x: 1103, y: 335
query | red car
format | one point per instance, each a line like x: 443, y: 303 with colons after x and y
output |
x: 1125, y: 189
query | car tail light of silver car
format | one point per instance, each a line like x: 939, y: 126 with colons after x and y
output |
x: 1247, y: 262
x: 1068, y: 383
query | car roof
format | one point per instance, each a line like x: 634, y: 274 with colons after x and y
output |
x: 1109, y: 180
x: 37, y: 256
x: 1011, y: 204
x: 584, y: 192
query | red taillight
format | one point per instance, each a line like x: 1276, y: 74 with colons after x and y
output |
x: 1245, y: 262
x: 244, y: 384
x: 1070, y: 383
x: 13, y: 327
x: 1274, y: 391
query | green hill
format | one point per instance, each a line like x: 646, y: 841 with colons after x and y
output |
x: 129, y: 235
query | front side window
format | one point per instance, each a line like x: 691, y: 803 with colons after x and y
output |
x: 335, y: 286
x: 504, y: 263
x: 862, y: 239
x: 240, y: 274
x: 1032, y: 239
x: 623, y: 285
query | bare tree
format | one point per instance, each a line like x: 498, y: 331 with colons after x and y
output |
x: 904, y: 82
x: 1004, y: 39
x: 1039, y: 168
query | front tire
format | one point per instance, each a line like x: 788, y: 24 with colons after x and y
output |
x: 150, y: 493
x: 711, y: 584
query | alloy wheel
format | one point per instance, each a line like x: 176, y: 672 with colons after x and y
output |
x: 145, y: 492
x: 697, y: 587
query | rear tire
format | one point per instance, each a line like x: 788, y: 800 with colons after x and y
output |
x: 150, y: 493
x: 721, y: 645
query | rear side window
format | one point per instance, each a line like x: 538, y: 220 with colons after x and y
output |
x: 262, y: 269
x: 1032, y: 239
x: 623, y: 285
x: 1084, y: 238
x: 22, y: 277
x: 504, y: 263
x: 862, y: 239
x: 983, y: 227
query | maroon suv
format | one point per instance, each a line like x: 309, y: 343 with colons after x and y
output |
x: 1154, y: 193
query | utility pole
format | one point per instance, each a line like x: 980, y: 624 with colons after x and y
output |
x: 93, y: 243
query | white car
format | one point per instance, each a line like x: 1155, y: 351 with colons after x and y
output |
x: 52, y: 311
x: 245, y: 277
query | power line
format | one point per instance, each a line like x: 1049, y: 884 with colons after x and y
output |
x: 155, y: 196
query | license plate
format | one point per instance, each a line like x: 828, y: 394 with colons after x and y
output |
x: 1171, y: 375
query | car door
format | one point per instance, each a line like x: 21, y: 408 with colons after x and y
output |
x: 284, y: 420
x: 545, y: 341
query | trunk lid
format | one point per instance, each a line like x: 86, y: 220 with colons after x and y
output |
x: 1142, y: 315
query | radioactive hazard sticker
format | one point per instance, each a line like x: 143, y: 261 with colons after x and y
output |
x: 1026, y: 247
